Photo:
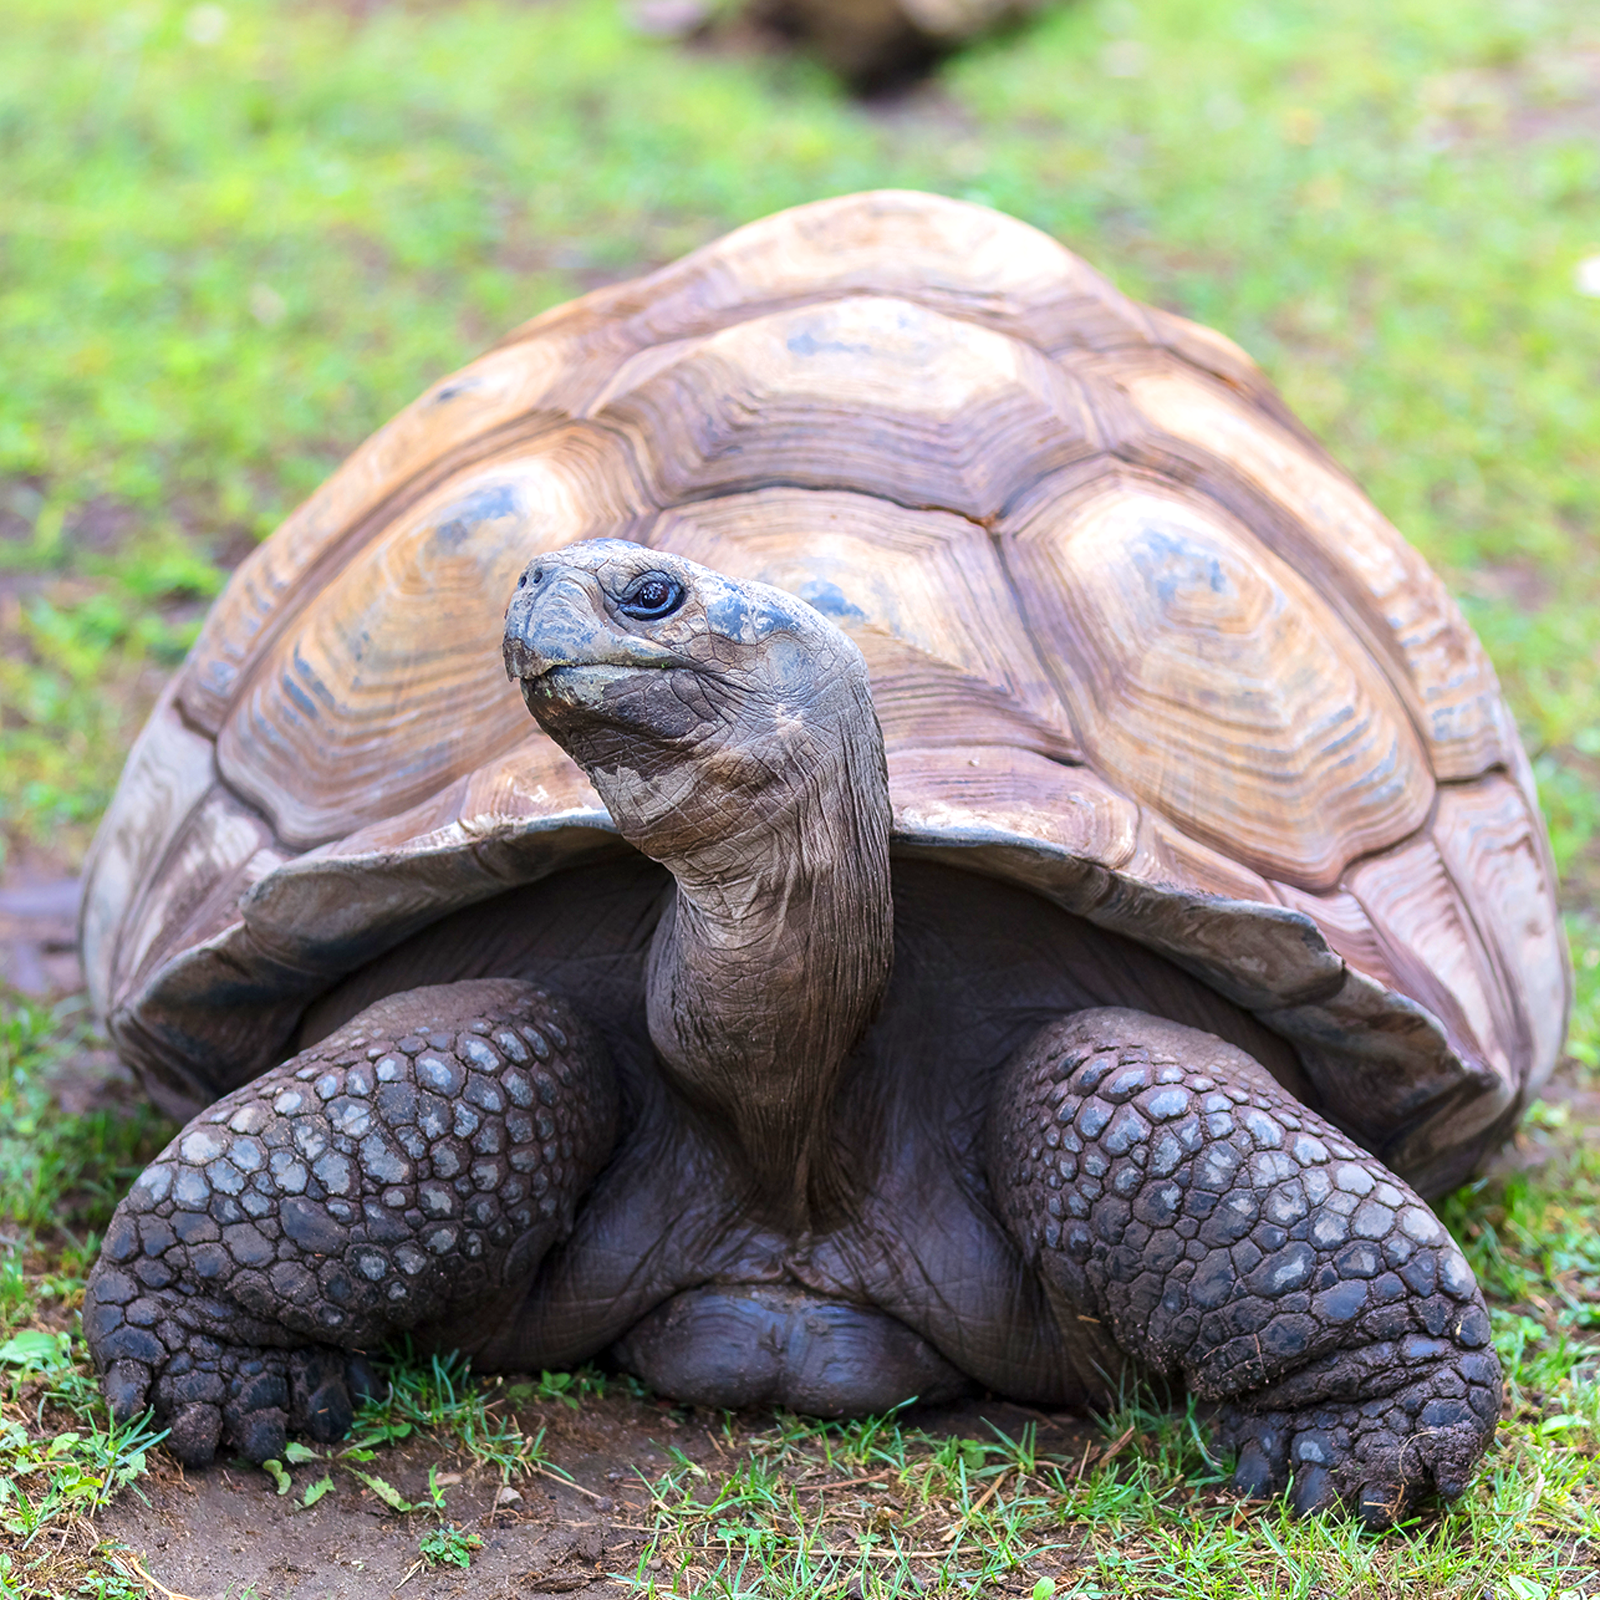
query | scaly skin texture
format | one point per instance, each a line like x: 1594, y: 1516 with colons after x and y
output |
x: 406, y: 1172
x: 1161, y: 1182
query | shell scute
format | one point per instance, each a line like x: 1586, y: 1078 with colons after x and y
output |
x: 1337, y: 537
x: 1207, y: 678
x: 923, y: 594
x: 960, y: 259
x: 169, y: 770
x: 451, y: 424
x: 1165, y: 854
x: 1433, y: 946
x: 1002, y: 795
x: 1346, y: 926
x: 1493, y: 845
x: 390, y: 682
x: 216, y: 841
x: 873, y: 394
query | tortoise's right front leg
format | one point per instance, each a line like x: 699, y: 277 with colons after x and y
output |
x: 415, y: 1165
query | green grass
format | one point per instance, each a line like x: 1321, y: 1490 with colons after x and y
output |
x: 51, y: 1473
x: 228, y: 252
x: 1143, y: 1513
x: 60, y: 1176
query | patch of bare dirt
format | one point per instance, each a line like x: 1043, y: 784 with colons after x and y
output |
x: 222, y: 1530
x: 1524, y: 584
x: 215, y: 1533
x: 1571, y: 1119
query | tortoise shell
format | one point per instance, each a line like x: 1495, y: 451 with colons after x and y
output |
x: 1136, y: 643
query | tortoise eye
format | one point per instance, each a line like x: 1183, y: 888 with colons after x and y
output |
x: 650, y: 596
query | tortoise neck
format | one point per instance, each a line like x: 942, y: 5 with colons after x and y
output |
x: 774, y: 954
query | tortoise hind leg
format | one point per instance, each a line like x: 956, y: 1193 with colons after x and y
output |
x: 1161, y: 1182
x: 413, y: 1166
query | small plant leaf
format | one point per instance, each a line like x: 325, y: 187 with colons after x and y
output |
x: 297, y: 1454
x: 385, y: 1491
x: 448, y: 1546
x: 1559, y: 1424
x: 275, y: 1471
x: 31, y: 1347
x: 315, y: 1491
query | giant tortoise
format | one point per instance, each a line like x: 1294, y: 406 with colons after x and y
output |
x: 1017, y: 877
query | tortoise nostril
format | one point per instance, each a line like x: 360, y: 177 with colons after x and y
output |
x: 538, y: 576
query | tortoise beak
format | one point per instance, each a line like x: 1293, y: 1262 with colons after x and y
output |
x: 559, y: 620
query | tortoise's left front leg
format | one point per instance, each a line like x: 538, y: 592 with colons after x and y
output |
x: 409, y: 1172
x: 1164, y: 1185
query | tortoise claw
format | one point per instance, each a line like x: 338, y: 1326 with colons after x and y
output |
x: 1382, y: 1503
x: 338, y: 1198
x: 1255, y: 1477
x: 1300, y: 1281
x: 1313, y: 1490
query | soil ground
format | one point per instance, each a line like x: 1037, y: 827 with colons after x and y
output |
x: 222, y: 1531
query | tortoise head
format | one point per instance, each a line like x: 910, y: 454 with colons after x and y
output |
x: 698, y: 705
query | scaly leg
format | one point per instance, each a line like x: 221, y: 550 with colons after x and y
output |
x: 1162, y: 1182
x: 413, y: 1167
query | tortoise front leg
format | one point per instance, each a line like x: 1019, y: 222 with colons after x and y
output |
x: 416, y: 1164
x: 1160, y: 1181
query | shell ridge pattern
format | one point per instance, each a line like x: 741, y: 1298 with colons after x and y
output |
x: 280, y: 576
x: 1197, y: 666
x: 1350, y: 547
x: 920, y: 592
x: 1514, y: 1028
x: 215, y: 843
x: 951, y: 254
x: 1374, y: 630
x: 1493, y: 842
x: 881, y: 387
x: 169, y: 771
x: 389, y: 685
x: 345, y: 546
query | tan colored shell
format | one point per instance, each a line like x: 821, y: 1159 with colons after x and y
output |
x: 1135, y: 642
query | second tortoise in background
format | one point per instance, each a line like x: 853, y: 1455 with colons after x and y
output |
x: 873, y: 43
x: 1192, y: 781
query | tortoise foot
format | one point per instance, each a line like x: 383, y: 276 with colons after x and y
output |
x: 1376, y: 1429
x: 411, y: 1171
x: 1164, y: 1186
x: 210, y: 1395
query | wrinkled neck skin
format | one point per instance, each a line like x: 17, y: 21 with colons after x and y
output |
x: 771, y: 811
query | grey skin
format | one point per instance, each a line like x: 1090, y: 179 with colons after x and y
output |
x: 768, y: 1117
